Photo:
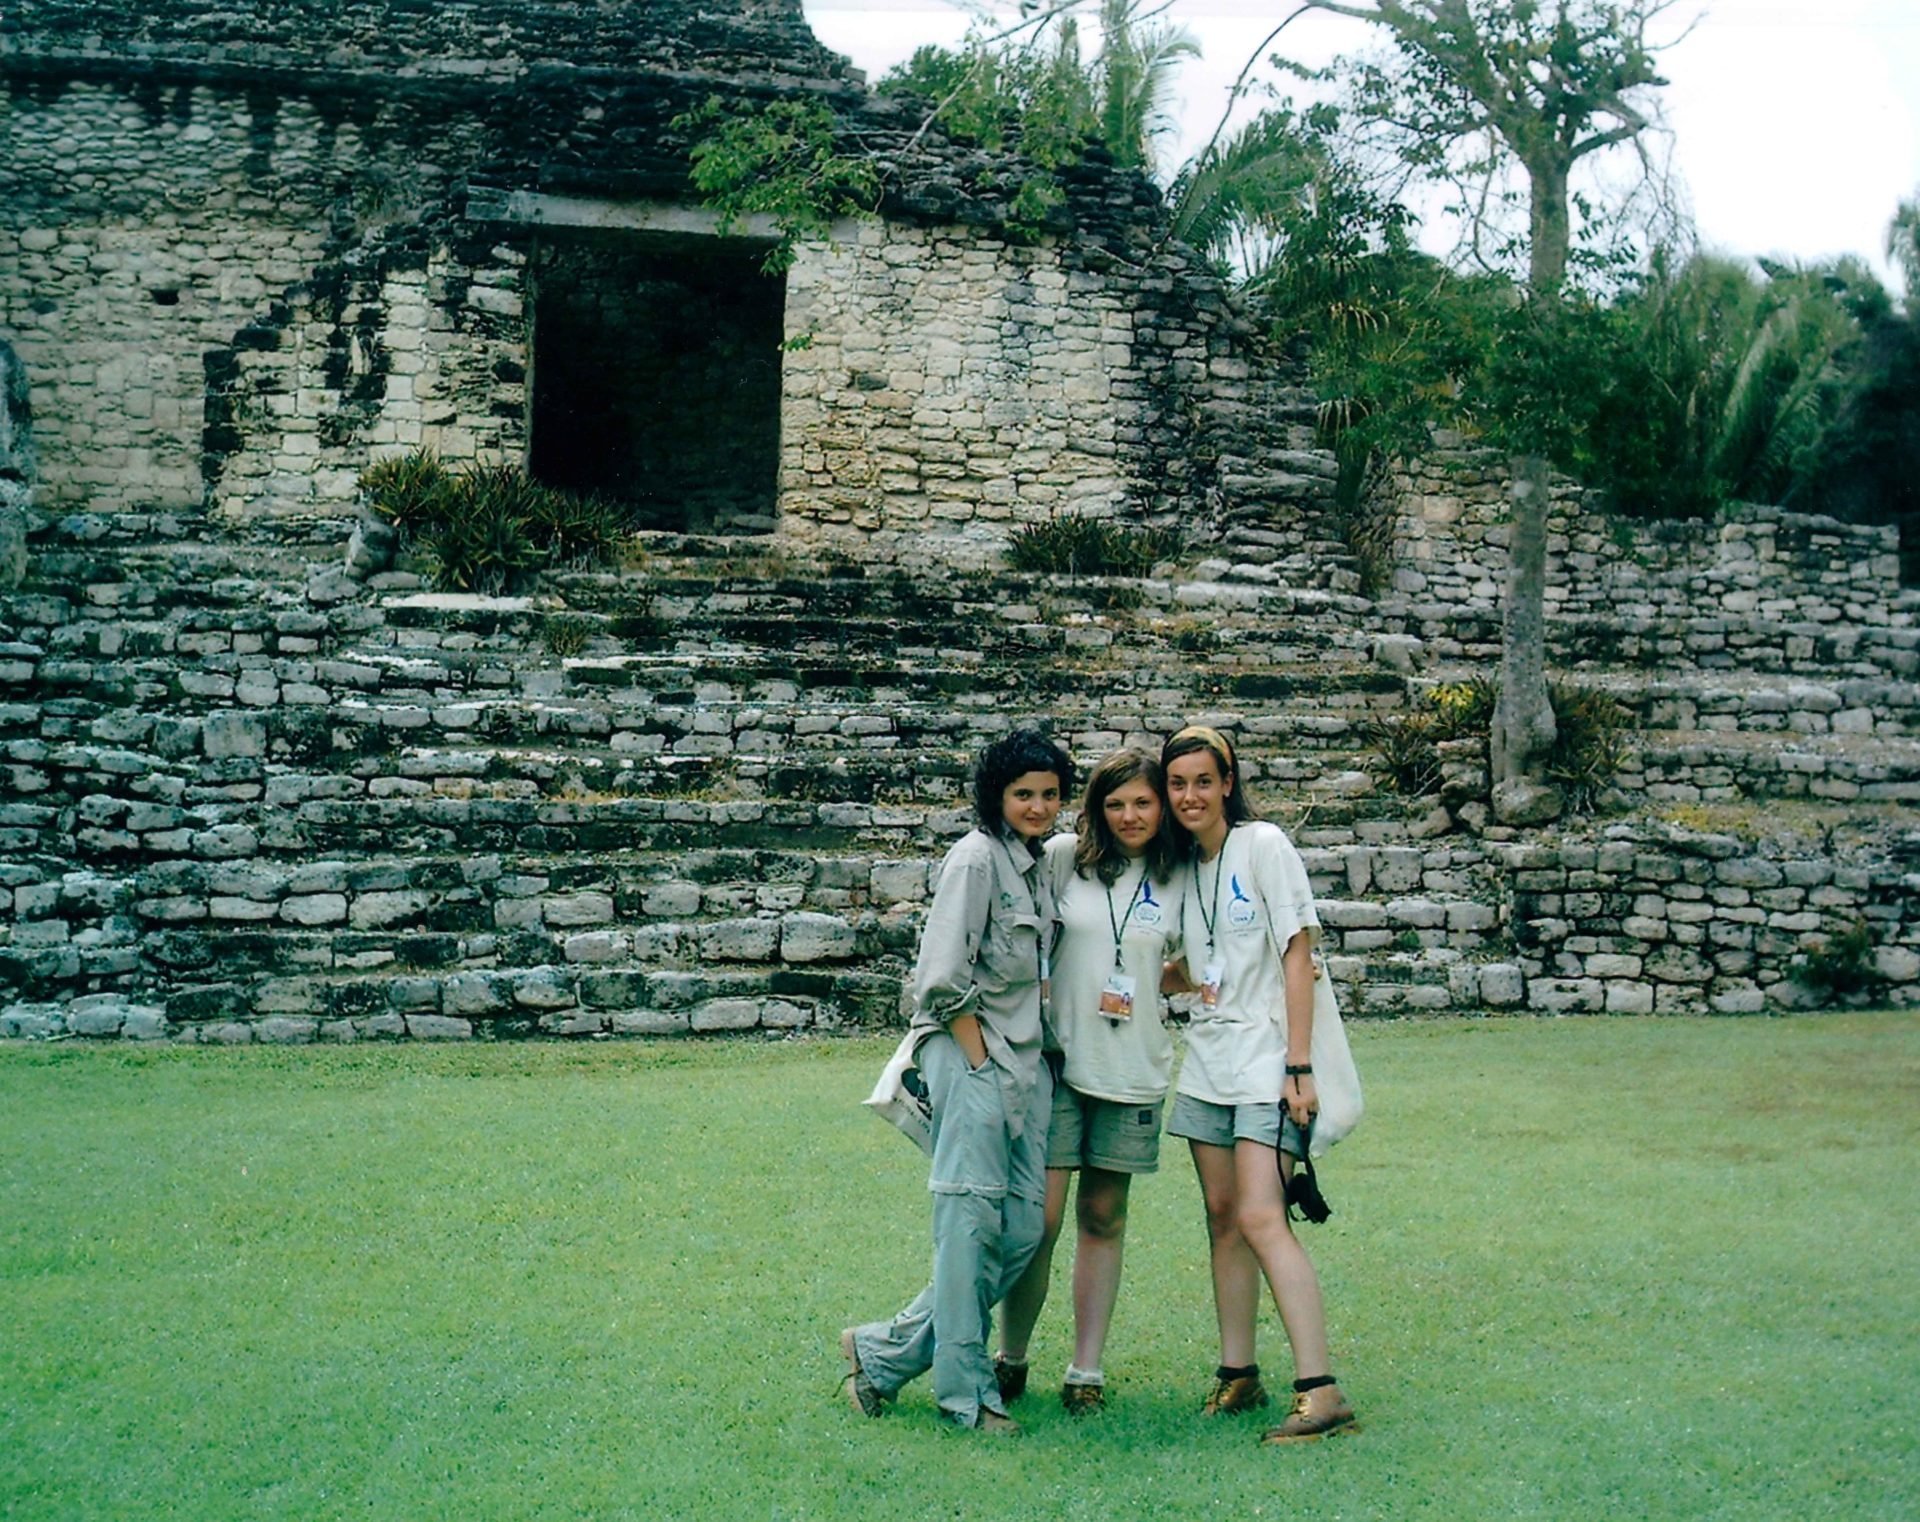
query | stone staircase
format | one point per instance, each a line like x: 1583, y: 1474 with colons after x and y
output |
x: 250, y: 797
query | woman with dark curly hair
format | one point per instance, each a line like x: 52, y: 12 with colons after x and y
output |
x: 977, y: 1026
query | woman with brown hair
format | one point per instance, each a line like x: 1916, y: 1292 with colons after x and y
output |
x: 1118, y: 887
x: 1249, y: 928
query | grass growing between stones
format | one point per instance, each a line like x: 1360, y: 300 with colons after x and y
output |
x: 1606, y: 1269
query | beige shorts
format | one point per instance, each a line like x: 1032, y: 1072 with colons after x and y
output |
x: 1222, y: 1125
x: 1102, y: 1133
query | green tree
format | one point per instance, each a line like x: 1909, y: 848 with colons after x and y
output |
x: 1476, y: 86
x: 1031, y: 90
x: 1903, y: 248
x: 1389, y: 332
x: 1870, y: 466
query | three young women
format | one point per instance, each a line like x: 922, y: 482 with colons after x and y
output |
x: 1248, y: 928
x: 978, y: 1028
x: 1118, y: 887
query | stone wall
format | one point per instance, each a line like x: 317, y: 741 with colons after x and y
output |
x: 1676, y: 921
x: 1761, y: 563
x: 952, y: 385
x: 496, y: 40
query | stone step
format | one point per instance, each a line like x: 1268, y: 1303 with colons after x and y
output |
x: 287, y: 987
x: 1764, y: 704
x: 1685, y: 767
x: 501, y: 999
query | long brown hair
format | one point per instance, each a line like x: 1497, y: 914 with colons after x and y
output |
x: 1098, y: 853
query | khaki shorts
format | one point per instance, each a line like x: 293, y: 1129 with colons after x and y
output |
x: 1102, y: 1133
x: 1222, y: 1125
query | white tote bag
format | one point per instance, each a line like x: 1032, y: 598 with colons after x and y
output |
x: 897, y: 1103
x: 1335, y: 1078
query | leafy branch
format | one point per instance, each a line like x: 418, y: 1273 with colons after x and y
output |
x: 780, y: 160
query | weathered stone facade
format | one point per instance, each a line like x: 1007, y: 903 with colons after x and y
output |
x: 16, y: 466
x: 244, y: 265
x: 255, y: 792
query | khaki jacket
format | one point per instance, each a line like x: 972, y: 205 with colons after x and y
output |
x: 981, y: 954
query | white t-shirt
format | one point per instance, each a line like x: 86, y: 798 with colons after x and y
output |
x: 1130, y: 1060
x: 1237, y: 912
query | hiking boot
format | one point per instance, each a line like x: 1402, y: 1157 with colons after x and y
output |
x: 1010, y: 1377
x: 1232, y: 1396
x: 1083, y: 1400
x: 1315, y: 1413
x: 858, y: 1389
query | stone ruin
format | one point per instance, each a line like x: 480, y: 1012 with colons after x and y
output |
x: 16, y: 466
x: 254, y: 792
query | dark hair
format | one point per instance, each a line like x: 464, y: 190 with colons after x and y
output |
x: 1198, y: 737
x: 1023, y: 751
x: 1098, y: 854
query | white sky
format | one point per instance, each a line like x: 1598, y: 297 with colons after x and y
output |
x: 1796, y: 122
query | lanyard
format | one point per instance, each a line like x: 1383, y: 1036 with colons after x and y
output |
x: 1120, y: 924
x: 1219, y: 871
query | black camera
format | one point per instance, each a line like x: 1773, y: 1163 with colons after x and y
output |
x: 1303, y: 1194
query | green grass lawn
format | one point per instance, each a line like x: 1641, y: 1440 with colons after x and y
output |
x: 1583, y: 1269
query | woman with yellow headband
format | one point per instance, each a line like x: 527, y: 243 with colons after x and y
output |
x: 1248, y: 924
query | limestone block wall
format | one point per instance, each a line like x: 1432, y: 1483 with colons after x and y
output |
x: 945, y: 386
x: 281, y: 288
x: 389, y: 349
x: 1649, y: 921
x: 501, y: 40
x: 114, y: 287
x: 950, y: 386
x: 1760, y: 563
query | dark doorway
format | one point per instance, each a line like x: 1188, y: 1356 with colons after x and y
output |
x: 656, y: 376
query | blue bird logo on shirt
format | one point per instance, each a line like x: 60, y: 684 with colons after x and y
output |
x: 1240, y: 909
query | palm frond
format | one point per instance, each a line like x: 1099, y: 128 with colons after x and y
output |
x: 1244, y: 184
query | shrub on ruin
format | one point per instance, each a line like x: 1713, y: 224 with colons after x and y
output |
x: 1463, y: 710
x: 491, y: 527
x: 1839, y: 966
x: 576, y: 530
x: 778, y: 159
x: 1592, y: 742
x: 1405, y: 753
x: 408, y: 490
x: 1193, y: 636
x: 564, y: 635
x: 484, y: 549
x: 1075, y: 545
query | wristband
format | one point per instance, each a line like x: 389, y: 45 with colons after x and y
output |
x: 1302, y: 1070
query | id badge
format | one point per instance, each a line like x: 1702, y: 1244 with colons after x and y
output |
x: 1116, y: 999
x: 1210, y: 985
x: 1046, y: 978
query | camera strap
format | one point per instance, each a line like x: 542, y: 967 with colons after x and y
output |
x: 1289, y: 1188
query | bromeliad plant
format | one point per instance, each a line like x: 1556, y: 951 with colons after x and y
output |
x: 1072, y: 544
x: 1593, y: 744
x: 491, y: 527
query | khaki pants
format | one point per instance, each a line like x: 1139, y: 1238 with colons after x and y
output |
x: 989, y: 1199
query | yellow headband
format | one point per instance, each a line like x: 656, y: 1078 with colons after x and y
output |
x: 1210, y: 737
